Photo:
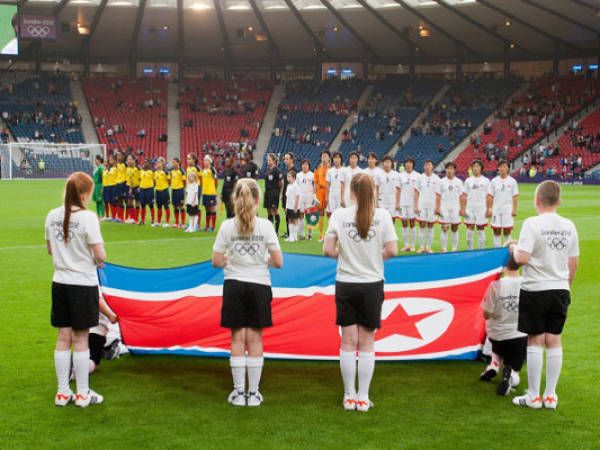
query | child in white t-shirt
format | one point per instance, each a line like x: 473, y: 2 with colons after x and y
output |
x: 191, y: 201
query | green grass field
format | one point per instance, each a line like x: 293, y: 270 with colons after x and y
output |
x: 180, y: 402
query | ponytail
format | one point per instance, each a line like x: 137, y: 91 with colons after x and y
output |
x: 78, y: 184
x: 245, y: 195
x: 362, y: 186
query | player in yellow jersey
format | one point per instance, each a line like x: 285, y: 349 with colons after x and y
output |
x: 147, y: 190
x: 192, y: 166
x: 133, y: 190
x: 114, y: 202
x: 107, y: 188
x: 209, y: 193
x: 121, y: 186
x: 162, y: 179
x: 178, y: 192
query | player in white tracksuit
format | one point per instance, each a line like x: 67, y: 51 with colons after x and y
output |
x: 408, y: 181
x: 426, y: 191
x: 476, y: 189
x: 389, y: 191
x: 450, y: 205
x: 335, y: 184
x: 349, y: 171
x: 503, y: 194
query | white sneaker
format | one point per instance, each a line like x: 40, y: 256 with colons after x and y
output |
x: 525, y: 400
x: 63, y: 399
x: 92, y: 398
x: 490, y: 372
x: 237, y: 398
x: 349, y: 403
x: 254, y: 398
x: 165, y: 225
x: 289, y: 239
x: 515, y: 379
x: 550, y: 401
x: 364, y: 405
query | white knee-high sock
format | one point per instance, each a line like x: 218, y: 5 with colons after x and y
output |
x: 62, y: 364
x: 348, y: 369
x: 497, y: 241
x: 238, y: 372
x: 405, y: 236
x: 481, y: 238
x: 255, y: 366
x: 422, y: 237
x: 429, y: 238
x: 507, y: 238
x: 470, y: 239
x: 413, y: 236
x: 454, y: 240
x: 535, y: 361
x: 301, y: 226
x: 444, y: 239
x: 554, y: 358
x: 366, y: 367
x: 81, y: 366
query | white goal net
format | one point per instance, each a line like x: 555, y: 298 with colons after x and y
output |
x: 45, y: 160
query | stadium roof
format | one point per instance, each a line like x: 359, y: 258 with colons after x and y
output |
x: 298, y: 31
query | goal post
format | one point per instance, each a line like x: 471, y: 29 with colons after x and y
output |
x: 45, y: 160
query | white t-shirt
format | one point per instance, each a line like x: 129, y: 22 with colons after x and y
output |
x: 502, y: 300
x: 450, y: 191
x: 247, y: 256
x: 376, y: 173
x: 291, y: 194
x: 428, y: 187
x: 73, y: 262
x: 408, y: 183
x: 349, y: 172
x: 390, y: 181
x: 191, y: 194
x: 476, y: 189
x: 503, y: 190
x: 360, y: 261
x: 305, y: 182
x: 335, y: 178
x: 550, y: 240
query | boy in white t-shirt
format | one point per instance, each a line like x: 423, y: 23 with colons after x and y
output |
x: 501, y: 311
x: 503, y: 194
x: 426, y: 191
x: 548, y: 249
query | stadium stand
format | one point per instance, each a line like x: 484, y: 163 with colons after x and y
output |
x: 462, y: 109
x: 129, y: 115
x: 40, y: 109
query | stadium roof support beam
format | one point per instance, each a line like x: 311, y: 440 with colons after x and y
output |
x: 479, y: 25
x: 318, y: 45
x: 402, y: 35
x: 226, y: 41
x: 562, y: 16
x: 180, y: 37
x: 58, y: 8
x: 365, y: 45
x: 135, y: 37
x: 437, y: 27
x: 85, y: 44
x: 585, y: 5
x: 274, y: 48
x: 505, y: 13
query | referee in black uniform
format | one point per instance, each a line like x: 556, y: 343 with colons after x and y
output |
x: 230, y: 177
x: 273, y: 185
x: 249, y: 169
x: 290, y: 164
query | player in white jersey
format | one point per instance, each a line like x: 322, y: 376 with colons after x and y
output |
x: 335, y: 184
x: 503, y: 194
x: 426, y: 191
x: 349, y: 171
x: 377, y: 175
x: 476, y: 189
x: 450, y: 205
x: 408, y: 181
x: 389, y: 191
x: 305, y: 181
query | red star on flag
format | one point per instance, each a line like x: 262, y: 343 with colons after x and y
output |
x: 399, y: 322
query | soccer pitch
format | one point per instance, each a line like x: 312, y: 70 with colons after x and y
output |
x: 180, y: 402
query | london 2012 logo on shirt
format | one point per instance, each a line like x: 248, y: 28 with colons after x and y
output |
x: 353, y: 234
x: 246, y: 249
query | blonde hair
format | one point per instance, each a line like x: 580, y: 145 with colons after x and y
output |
x: 162, y: 161
x: 193, y: 175
x: 363, y: 187
x: 548, y: 193
x: 245, y: 196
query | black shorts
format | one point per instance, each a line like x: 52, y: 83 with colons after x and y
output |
x: 177, y: 196
x: 512, y: 351
x: 162, y: 198
x: 74, y: 306
x: 271, y: 200
x: 209, y: 200
x: 291, y: 214
x: 192, y: 210
x: 246, y: 305
x: 147, y: 197
x: 543, y: 311
x: 96, y: 343
x: 359, y: 304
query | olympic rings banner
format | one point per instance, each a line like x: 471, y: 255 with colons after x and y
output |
x: 37, y: 27
x: 431, y: 308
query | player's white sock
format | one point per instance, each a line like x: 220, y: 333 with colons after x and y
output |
x: 62, y: 364
x: 255, y: 365
x: 497, y: 241
x: 429, y: 238
x: 238, y: 372
x: 413, y: 236
x: 348, y: 369
x: 444, y: 239
x: 495, y: 360
x: 301, y: 228
x: 553, y: 366
x: 535, y: 361
x: 470, y: 239
x: 81, y: 367
x: 481, y: 238
x: 405, y: 236
x: 366, y: 367
x: 507, y: 238
x: 422, y: 237
x: 291, y: 227
x: 454, y: 239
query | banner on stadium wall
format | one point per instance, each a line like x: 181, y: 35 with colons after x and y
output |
x: 37, y: 27
x: 431, y: 308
